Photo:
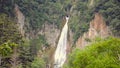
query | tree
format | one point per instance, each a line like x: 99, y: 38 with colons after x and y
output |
x: 38, y: 63
x: 6, y: 49
x: 9, y: 38
x: 8, y: 30
x: 101, y: 54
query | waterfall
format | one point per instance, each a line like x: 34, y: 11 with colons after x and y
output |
x: 60, y: 53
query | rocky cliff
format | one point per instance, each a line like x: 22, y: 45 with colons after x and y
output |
x: 20, y: 19
x: 51, y: 33
x: 98, y: 28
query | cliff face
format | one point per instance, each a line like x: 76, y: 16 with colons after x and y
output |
x: 51, y: 33
x: 20, y: 19
x: 98, y: 28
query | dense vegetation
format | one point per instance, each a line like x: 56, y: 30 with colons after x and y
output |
x: 9, y: 39
x: 100, y: 54
x: 16, y: 51
x: 110, y: 10
x: 38, y: 12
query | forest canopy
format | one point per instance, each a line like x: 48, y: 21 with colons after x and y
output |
x: 100, y: 54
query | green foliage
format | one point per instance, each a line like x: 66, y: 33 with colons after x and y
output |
x: 7, y: 48
x: 25, y: 55
x: 6, y: 51
x: 29, y: 49
x: 38, y: 63
x: 8, y: 30
x: 80, y: 18
x: 39, y: 12
x: 37, y: 44
x: 9, y: 38
x: 110, y: 10
x: 6, y: 6
x: 101, y: 54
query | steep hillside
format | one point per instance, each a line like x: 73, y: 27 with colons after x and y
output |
x: 30, y: 29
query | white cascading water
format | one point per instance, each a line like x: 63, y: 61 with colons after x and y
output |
x: 60, y: 53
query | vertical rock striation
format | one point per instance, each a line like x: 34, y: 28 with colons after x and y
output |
x: 20, y: 19
x: 98, y: 28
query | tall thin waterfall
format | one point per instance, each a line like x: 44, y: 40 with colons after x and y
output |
x: 60, y: 53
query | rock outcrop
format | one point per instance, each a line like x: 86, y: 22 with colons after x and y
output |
x: 20, y: 19
x: 51, y: 33
x: 91, y: 4
x: 98, y: 28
